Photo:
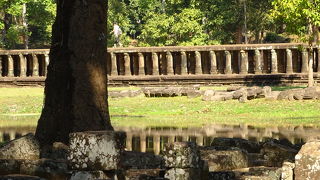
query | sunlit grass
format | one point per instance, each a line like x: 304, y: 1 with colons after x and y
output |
x: 22, y: 107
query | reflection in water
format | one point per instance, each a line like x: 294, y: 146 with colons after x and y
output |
x: 154, y: 139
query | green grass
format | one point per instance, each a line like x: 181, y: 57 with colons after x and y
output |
x: 22, y: 107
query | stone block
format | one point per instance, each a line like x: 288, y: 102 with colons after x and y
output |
x: 9, y: 166
x: 287, y: 171
x: 95, y: 150
x: 20, y: 177
x: 249, y: 146
x: 273, y: 96
x: 140, y: 160
x: 145, y: 174
x: 25, y: 147
x: 183, y: 174
x: 181, y: 155
x: 223, y: 159
x: 275, y: 154
x: 88, y: 175
x: 307, y: 161
x: 208, y: 94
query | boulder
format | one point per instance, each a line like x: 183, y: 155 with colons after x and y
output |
x: 239, y: 93
x: 273, y: 95
x: 145, y: 174
x: 287, y: 171
x: 275, y: 154
x: 312, y: 93
x: 25, y: 147
x: 249, y: 146
x: 140, y: 160
x: 208, y: 94
x: 194, y: 94
x: 223, y: 159
x: 95, y: 150
x: 307, y: 161
x: 181, y: 155
x: 183, y: 174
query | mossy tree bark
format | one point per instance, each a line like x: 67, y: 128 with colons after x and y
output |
x: 76, y: 84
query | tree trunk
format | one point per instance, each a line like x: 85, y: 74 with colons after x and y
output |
x: 76, y: 85
x: 25, y: 27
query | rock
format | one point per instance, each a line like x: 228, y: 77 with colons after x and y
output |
x: 181, y: 155
x: 249, y: 146
x: 275, y: 154
x: 208, y: 94
x: 287, y: 171
x: 239, y: 93
x: 183, y: 174
x: 95, y: 150
x: 145, y: 174
x: 258, y: 173
x: 307, y: 161
x: 194, y: 94
x: 25, y: 147
x: 222, y: 175
x: 88, y: 175
x: 20, y: 177
x: 223, y: 159
x: 58, y: 151
x: 9, y: 166
x: 273, y: 95
x: 49, y: 169
x: 312, y: 93
x: 140, y: 160
x: 233, y: 88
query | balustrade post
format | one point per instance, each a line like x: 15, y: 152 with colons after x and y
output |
x: 228, y: 69
x: 213, y: 62
x: 35, y: 68
x: 127, y: 64
x: 258, y: 61
x: 143, y: 143
x: 156, y: 144
x: 23, y: 65
x: 244, y: 62
x: 155, y: 64
x: 200, y: 140
x: 289, y: 68
x: 46, y: 63
x: 304, y: 65
x: 198, y: 69
x: 12, y: 135
x: 184, y: 63
x: 274, y: 62
x: 318, y: 51
x: 10, y: 66
x: 169, y: 63
x: 1, y: 136
x: 129, y: 142
x: 141, y: 64
x: 114, y: 69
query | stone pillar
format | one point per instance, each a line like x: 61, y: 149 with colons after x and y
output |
x: 129, y: 142
x: 1, y: 136
x: 155, y: 64
x: 10, y: 66
x: 228, y: 69
x: 304, y: 66
x: 156, y: 144
x: 12, y: 135
x: 127, y: 64
x: 200, y: 140
x: 318, y: 60
x: 143, y: 142
x: 46, y: 63
x: 23, y: 65
x: 274, y: 62
x: 244, y: 62
x: 141, y: 64
x: 213, y: 62
x: 169, y: 63
x: 35, y: 68
x: 184, y: 63
x: 258, y: 62
x: 289, y: 68
x: 114, y: 71
x: 198, y: 69
x: 171, y: 139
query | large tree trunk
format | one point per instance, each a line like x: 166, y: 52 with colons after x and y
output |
x: 76, y: 85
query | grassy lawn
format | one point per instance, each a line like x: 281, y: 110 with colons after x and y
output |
x: 22, y: 107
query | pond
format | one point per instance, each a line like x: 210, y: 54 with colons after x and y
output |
x: 152, y: 139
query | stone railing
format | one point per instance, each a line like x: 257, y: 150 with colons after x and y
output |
x: 195, y: 60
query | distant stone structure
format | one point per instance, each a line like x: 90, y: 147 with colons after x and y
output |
x: 220, y: 64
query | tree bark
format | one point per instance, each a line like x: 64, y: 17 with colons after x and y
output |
x: 76, y: 85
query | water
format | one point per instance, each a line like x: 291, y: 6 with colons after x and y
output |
x: 152, y: 139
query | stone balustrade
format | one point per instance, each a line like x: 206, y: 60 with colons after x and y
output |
x: 178, y: 61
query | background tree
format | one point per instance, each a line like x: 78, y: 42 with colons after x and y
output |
x: 76, y: 85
